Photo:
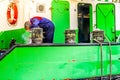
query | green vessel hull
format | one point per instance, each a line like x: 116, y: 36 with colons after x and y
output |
x: 60, y: 61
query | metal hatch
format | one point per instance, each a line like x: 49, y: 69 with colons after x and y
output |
x: 105, y: 19
x: 60, y: 17
x: 84, y: 22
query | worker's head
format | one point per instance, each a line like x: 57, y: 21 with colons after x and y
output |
x: 27, y: 25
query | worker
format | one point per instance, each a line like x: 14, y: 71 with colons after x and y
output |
x: 27, y: 34
x: 46, y: 25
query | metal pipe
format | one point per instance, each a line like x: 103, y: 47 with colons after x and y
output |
x: 101, y: 62
x: 110, y: 57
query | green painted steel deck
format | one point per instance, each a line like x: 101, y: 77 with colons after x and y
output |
x: 59, y: 61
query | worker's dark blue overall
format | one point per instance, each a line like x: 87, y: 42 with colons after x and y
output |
x: 47, y: 25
